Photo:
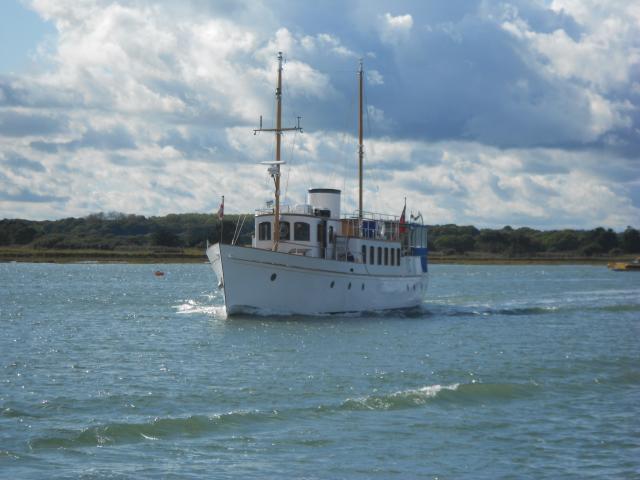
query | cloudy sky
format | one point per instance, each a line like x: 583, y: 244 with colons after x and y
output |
x: 492, y: 113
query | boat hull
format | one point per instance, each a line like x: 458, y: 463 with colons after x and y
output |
x: 258, y: 281
x: 624, y: 266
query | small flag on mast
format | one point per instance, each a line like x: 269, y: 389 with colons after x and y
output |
x: 221, y: 209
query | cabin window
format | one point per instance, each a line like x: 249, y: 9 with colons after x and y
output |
x: 331, y: 234
x: 284, y: 230
x: 301, y: 231
x: 398, y: 256
x: 320, y: 233
x: 264, y: 231
x: 364, y: 254
x: 386, y: 256
x: 379, y: 255
x: 372, y: 255
x: 392, y: 257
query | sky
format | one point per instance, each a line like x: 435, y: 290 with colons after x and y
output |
x: 490, y: 113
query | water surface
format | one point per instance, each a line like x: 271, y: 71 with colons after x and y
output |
x: 107, y: 371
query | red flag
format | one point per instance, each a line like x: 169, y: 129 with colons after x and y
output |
x: 221, y: 209
x: 403, y: 228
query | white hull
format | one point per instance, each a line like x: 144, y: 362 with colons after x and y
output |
x: 266, y: 282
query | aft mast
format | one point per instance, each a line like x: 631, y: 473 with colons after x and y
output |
x: 360, y: 142
x: 274, y: 169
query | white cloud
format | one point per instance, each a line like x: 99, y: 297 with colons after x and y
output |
x: 148, y: 108
x: 395, y: 30
x: 599, y: 63
x: 374, y: 77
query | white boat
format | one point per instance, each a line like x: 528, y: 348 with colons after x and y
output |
x: 311, y: 260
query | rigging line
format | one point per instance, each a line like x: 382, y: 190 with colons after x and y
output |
x: 294, y: 143
x: 369, y: 172
x: 237, y: 236
x: 309, y: 172
x: 367, y: 127
x: 272, y: 149
x: 284, y: 99
x: 290, y: 165
x: 285, y: 90
x: 233, y: 238
x: 346, y: 159
x: 304, y: 165
x: 273, y: 121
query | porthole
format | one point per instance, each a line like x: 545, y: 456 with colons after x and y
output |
x: 332, y: 284
x: 349, y: 287
x: 273, y: 276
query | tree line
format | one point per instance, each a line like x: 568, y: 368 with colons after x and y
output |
x: 454, y: 239
x: 118, y: 231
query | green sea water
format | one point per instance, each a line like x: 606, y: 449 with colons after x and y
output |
x: 107, y: 371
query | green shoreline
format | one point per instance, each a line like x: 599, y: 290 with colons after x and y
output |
x: 194, y: 255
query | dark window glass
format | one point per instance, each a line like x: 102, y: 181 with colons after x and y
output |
x: 379, y: 255
x: 364, y: 254
x: 301, y: 231
x: 264, y: 231
x: 284, y: 231
x: 372, y: 255
x: 398, y: 256
x: 320, y: 232
x: 386, y: 256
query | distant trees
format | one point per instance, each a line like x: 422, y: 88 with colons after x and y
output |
x: 562, y: 241
x: 451, y: 239
x: 115, y: 230
x: 165, y: 237
x: 492, y: 241
x: 630, y: 241
x: 523, y: 241
x: 455, y: 243
x: 17, y: 232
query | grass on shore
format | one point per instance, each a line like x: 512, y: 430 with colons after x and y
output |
x: 18, y: 254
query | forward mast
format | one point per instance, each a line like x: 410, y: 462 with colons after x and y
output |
x: 274, y: 168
